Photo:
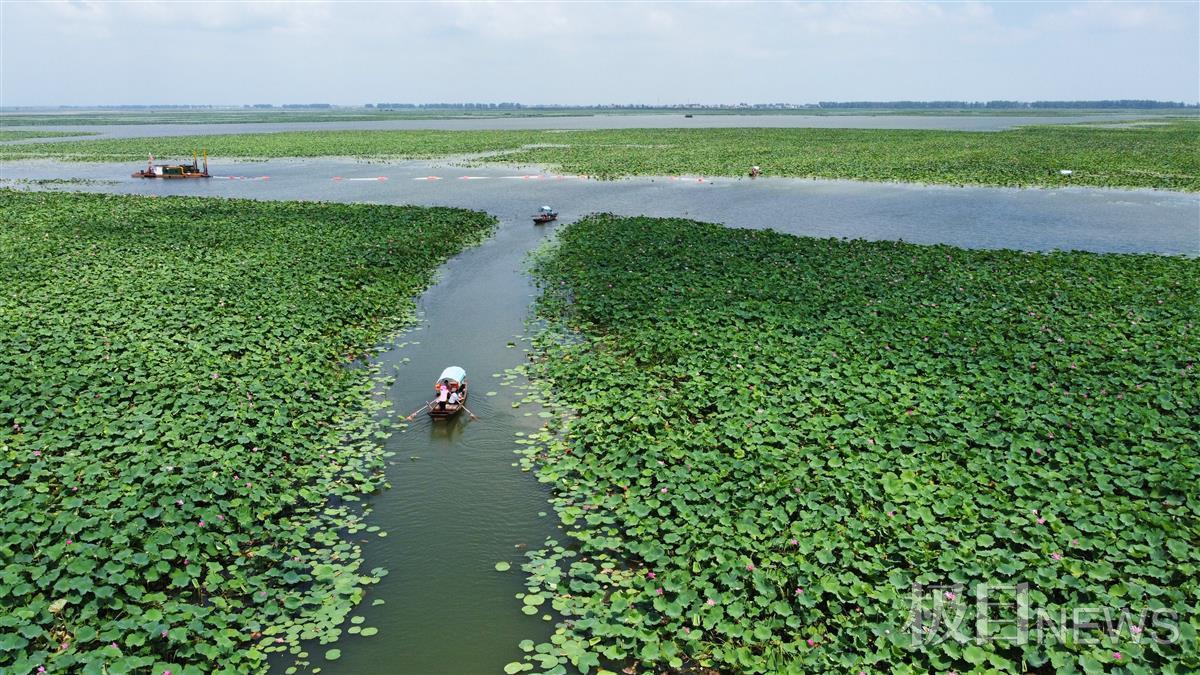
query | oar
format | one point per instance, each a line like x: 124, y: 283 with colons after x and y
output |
x: 469, y: 412
x: 417, y: 411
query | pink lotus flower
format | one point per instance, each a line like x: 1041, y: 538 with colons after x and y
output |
x: 711, y: 602
x: 164, y: 633
x: 1041, y: 521
x: 41, y: 669
x: 650, y: 575
x: 1056, y: 556
x: 812, y: 642
x: 70, y: 541
x: 1136, y: 630
x: 891, y: 514
x: 950, y: 595
x: 794, y: 542
x: 37, y: 453
x: 750, y: 567
x: 659, y: 591
x: 799, y: 591
x: 1117, y: 656
x: 663, y: 490
x: 202, y: 523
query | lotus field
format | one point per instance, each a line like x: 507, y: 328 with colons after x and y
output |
x: 1164, y: 156
x: 20, y: 134
x: 783, y: 454
x: 182, y: 440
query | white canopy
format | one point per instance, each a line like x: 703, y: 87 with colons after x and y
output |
x: 453, y: 373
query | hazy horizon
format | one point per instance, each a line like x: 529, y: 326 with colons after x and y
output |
x: 585, y: 53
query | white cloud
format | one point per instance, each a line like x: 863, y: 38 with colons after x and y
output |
x: 580, y: 52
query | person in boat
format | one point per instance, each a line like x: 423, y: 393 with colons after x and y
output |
x: 443, y: 396
x: 454, y: 397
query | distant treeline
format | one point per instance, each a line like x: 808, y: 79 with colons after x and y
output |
x: 508, y: 105
x: 1003, y: 105
x: 452, y: 106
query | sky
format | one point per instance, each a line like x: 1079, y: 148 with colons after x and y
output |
x: 87, y: 52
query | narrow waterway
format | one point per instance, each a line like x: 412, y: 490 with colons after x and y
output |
x: 457, y: 504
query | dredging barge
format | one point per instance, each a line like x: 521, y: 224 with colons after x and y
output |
x: 193, y: 170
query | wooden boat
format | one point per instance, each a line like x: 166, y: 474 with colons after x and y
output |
x: 544, y: 216
x: 193, y: 170
x: 454, y: 379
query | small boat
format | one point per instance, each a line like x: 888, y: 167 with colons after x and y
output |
x: 193, y: 170
x: 544, y: 216
x: 454, y: 381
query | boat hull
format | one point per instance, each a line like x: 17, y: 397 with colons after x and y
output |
x: 146, y: 174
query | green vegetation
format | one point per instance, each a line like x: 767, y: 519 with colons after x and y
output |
x: 771, y: 439
x: 183, y: 435
x: 363, y: 144
x: 107, y: 118
x: 1165, y: 156
x: 20, y: 134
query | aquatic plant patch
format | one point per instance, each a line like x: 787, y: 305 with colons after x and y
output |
x: 184, y: 424
x: 784, y: 454
x: 1165, y: 156
x: 22, y: 134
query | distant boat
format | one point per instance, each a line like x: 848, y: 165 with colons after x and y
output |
x: 545, y: 215
x: 192, y: 170
x: 688, y: 115
x: 454, y: 381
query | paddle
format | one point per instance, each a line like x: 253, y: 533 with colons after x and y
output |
x: 417, y: 411
x: 470, y: 413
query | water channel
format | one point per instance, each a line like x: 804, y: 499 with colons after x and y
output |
x: 458, y: 504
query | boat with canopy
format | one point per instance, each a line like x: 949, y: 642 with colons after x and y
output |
x: 450, y: 393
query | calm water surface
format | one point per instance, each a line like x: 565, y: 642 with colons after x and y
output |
x: 950, y: 122
x: 976, y: 217
x: 457, y: 504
